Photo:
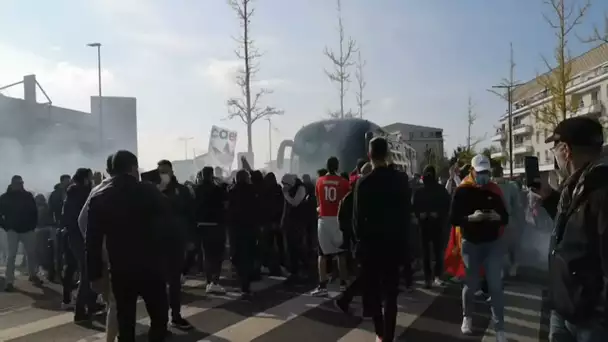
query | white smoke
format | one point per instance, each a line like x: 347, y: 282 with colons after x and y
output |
x: 40, y: 162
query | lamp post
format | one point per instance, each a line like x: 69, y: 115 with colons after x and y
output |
x: 98, y: 46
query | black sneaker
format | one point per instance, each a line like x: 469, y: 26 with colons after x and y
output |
x: 181, y: 324
x: 340, y: 305
x: 246, y: 297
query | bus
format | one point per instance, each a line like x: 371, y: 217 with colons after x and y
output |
x: 346, y: 139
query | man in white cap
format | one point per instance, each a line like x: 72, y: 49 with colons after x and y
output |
x: 479, y: 211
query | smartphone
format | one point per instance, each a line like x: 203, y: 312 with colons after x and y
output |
x: 532, y: 171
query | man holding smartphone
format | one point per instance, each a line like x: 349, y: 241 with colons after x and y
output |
x: 479, y: 210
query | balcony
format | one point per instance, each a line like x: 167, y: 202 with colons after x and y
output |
x: 498, y: 154
x: 522, y: 129
x: 499, y: 136
x: 520, y: 148
x: 593, y: 109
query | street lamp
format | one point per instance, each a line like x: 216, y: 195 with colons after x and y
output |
x: 98, y: 46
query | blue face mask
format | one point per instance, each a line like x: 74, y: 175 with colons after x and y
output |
x: 482, y: 179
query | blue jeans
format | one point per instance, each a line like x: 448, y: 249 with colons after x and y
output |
x: 488, y: 255
x: 561, y: 330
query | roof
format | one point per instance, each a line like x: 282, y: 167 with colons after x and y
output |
x: 585, y: 62
x: 400, y: 125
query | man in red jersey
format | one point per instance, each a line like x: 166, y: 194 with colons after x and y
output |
x: 330, y: 189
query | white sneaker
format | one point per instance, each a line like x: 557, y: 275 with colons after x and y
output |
x: 437, y: 282
x: 217, y: 288
x: 209, y: 288
x: 467, y: 326
x: 500, y: 336
x: 319, y: 292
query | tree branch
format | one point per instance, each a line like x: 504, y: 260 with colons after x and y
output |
x: 248, y: 106
x: 341, y: 62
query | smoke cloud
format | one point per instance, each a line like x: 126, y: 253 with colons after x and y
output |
x: 41, y: 162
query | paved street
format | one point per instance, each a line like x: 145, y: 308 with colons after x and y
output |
x: 277, y: 314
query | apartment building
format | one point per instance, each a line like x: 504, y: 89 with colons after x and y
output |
x: 427, y: 141
x: 589, y: 86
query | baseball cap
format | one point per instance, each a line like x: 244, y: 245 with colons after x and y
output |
x: 579, y: 131
x: 480, y: 163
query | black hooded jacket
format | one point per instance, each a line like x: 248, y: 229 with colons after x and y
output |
x: 209, y: 202
x: 578, y: 256
x: 182, y: 209
x: 133, y: 218
x: 243, y: 209
x: 431, y: 198
x: 272, y: 200
x: 18, y: 211
x: 56, y: 200
x: 76, y: 197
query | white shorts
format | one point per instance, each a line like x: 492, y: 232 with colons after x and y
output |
x: 330, y: 235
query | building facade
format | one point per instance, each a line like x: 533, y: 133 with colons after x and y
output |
x: 589, y: 87
x: 427, y: 141
x: 43, y: 132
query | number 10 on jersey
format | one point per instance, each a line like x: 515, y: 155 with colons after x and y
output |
x: 331, y: 193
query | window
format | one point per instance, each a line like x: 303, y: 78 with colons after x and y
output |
x: 411, y: 135
x: 546, y: 133
x: 546, y: 155
x: 538, y: 137
x: 594, y: 97
x: 538, y: 155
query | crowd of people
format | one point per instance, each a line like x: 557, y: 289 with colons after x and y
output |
x: 132, y: 235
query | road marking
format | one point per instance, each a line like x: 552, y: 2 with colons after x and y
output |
x: 365, y: 330
x: 258, y: 325
x: 68, y: 317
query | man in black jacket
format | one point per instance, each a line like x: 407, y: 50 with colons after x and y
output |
x: 480, y: 212
x: 182, y: 221
x: 210, y: 230
x: 380, y: 216
x: 133, y: 218
x: 578, y: 259
x: 243, y: 216
x: 19, y: 217
x: 76, y: 197
x: 431, y: 205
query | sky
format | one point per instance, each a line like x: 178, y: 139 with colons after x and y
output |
x: 424, y: 59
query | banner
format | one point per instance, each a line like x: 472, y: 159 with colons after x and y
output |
x: 222, y: 143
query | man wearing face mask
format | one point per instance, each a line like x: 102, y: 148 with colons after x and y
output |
x: 578, y: 258
x: 479, y: 214
x: 182, y: 215
x: 431, y: 206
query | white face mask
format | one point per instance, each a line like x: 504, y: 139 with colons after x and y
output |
x: 165, y: 178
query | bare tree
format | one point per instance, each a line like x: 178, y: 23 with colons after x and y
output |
x: 362, y: 102
x: 248, y: 106
x: 599, y: 36
x: 560, y: 76
x: 341, y: 61
x: 472, y: 141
